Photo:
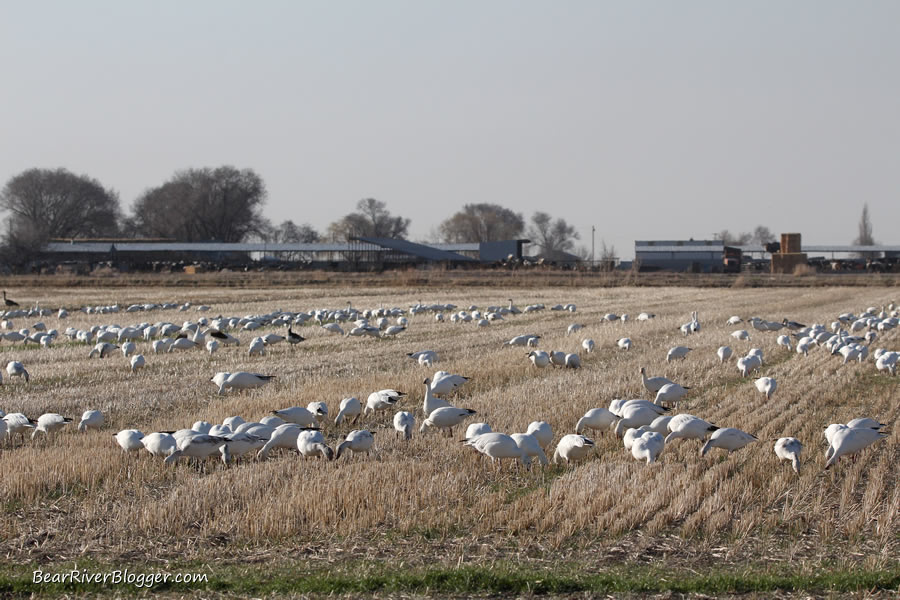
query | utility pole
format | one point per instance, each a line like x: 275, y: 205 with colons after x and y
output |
x: 593, y: 229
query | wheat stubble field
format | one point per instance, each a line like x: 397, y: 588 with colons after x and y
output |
x: 431, y: 502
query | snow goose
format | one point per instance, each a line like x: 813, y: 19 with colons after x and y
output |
x: 447, y: 418
x: 572, y: 361
x: 48, y: 423
x: 102, y: 350
x: 747, y: 364
x: 358, y: 440
x: 201, y: 426
x: 17, y: 423
x: 734, y: 320
x: 182, y: 344
x: 271, y: 421
x: 239, y: 444
x: 635, y: 415
x: 688, y: 427
x: 572, y: 447
x: 233, y: 423
x: 648, y: 447
x: 382, y: 399
x: 766, y: 385
x: 530, y: 447
x: 404, y: 423
x: 653, y: 384
x: 523, y: 340
x: 785, y: 342
x: 320, y: 409
x: 498, y: 446
x: 128, y: 349
x: 350, y: 407
x: 624, y: 343
x: 632, y: 434
x: 660, y: 424
x: 91, y: 419
x: 429, y: 356
x: 645, y: 316
x: 16, y: 369
x: 222, y: 337
x: 240, y: 380
x: 257, y: 347
x: 283, y: 436
x: 431, y: 401
x: 271, y: 339
x: 865, y: 422
x: 137, y: 362
x: 596, y: 418
x: 740, y: 334
x: 539, y: 358
x: 670, y: 394
x: 159, y: 443
x: 198, y: 446
x: 729, y: 438
x: 758, y: 353
x: 443, y: 382
x: 789, y: 448
x: 724, y: 353
x: 129, y: 439
x: 587, y: 345
x: 541, y: 431
x: 849, y: 441
x: 212, y: 346
x: 573, y: 328
x: 476, y: 429
x: 312, y: 443
x: 677, y: 352
x: 297, y: 415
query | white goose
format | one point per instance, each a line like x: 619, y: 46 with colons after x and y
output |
x: 476, y: 429
x: 91, y: 419
x: 573, y: 447
x: 849, y: 441
x: 498, y: 446
x: 404, y: 423
x: 16, y: 369
x: 312, y: 443
x: 297, y: 415
x: 635, y: 415
x: 677, y: 352
x: 688, y: 427
x: 766, y: 385
x: 17, y: 423
x: 724, y: 353
x: 541, y: 431
x: 539, y: 358
x: 49, y: 423
x: 432, y: 402
x: 653, y: 384
x: 624, y: 343
x: 670, y: 393
x: 381, y: 400
x: 789, y: 448
x: 350, y: 407
x: 283, y: 436
x: 596, y: 418
x: 588, y: 345
x: 358, y: 440
x: 137, y: 362
x: 240, y: 380
x: 320, y: 409
x: 648, y: 447
x: 729, y: 438
x: 447, y: 418
x: 443, y: 382
x: 129, y: 439
x: 199, y: 446
x: 159, y: 443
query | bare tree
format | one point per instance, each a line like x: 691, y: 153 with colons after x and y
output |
x: 554, y: 238
x: 730, y: 239
x: 864, y: 237
x: 44, y: 204
x: 762, y: 235
x: 371, y: 219
x: 223, y: 204
x: 482, y: 223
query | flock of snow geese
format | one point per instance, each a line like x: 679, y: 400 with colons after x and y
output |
x: 645, y: 426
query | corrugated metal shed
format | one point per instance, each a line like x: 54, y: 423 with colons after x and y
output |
x: 417, y: 250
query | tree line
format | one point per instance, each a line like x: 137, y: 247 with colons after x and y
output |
x: 225, y: 204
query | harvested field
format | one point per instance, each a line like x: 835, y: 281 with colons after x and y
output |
x: 432, y: 501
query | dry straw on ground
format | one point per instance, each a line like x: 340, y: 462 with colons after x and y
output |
x: 79, y: 494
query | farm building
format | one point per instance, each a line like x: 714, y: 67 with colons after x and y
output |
x: 696, y: 256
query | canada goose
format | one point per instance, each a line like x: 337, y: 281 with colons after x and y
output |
x: 358, y: 440
x: 572, y: 447
x: 294, y: 338
x: 8, y: 302
x: 404, y: 423
x: 789, y: 448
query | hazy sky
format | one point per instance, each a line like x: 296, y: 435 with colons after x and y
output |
x: 649, y: 120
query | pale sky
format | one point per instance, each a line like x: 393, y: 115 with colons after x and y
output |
x: 647, y: 119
